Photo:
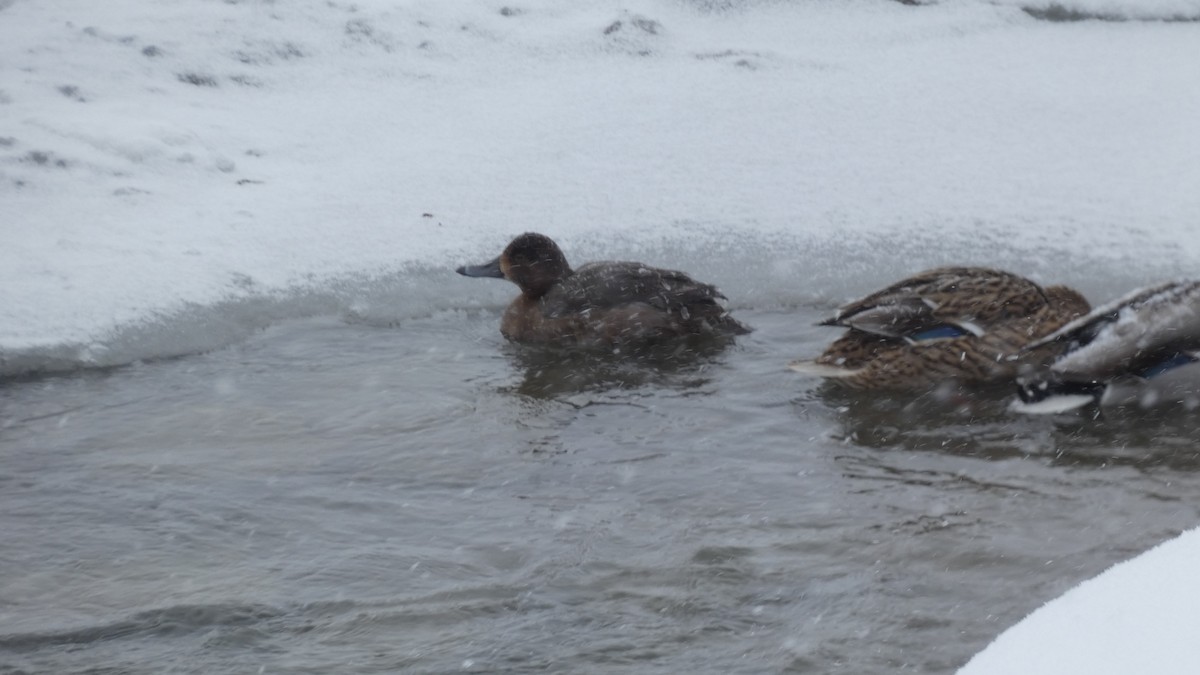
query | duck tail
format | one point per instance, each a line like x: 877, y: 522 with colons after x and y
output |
x: 1047, y: 397
x: 704, y: 302
x: 731, y: 326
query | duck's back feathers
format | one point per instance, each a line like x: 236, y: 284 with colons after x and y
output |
x: 1133, y: 334
x: 951, y: 323
x: 603, y: 285
x: 1142, y: 301
x: 966, y: 298
x: 602, y: 290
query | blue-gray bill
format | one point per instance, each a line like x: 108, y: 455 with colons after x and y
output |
x: 488, y: 269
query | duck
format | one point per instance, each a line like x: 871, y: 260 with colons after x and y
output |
x: 1141, y: 349
x: 963, y: 325
x: 604, y: 304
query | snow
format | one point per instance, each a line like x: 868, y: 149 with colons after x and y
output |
x: 172, y: 156
x: 175, y: 173
x: 1112, y: 10
x: 1137, y: 617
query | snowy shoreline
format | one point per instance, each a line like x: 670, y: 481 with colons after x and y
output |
x: 187, y: 155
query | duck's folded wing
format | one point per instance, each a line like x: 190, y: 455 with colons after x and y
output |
x: 1152, y: 304
x: 1134, y: 333
x: 942, y: 302
x: 912, y: 318
x: 605, y: 285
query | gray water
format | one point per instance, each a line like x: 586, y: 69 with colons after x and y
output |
x: 339, y: 497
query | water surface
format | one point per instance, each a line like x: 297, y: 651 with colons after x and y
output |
x: 337, y: 496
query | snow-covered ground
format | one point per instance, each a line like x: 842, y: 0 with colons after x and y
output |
x: 174, y: 173
x: 162, y: 158
x: 1137, y: 617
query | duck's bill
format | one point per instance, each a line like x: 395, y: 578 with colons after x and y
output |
x: 488, y: 269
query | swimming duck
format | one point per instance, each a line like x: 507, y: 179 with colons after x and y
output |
x: 1138, y: 349
x: 950, y: 324
x: 601, y: 304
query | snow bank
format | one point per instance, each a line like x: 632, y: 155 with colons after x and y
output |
x: 1137, y: 617
x: 174, y: 173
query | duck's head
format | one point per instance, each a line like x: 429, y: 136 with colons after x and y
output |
x: 532, y: 261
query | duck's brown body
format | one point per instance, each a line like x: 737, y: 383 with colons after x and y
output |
x: 964, y: 324
x: 602, y: 304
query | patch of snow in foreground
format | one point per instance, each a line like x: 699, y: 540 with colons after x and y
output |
x: 1139, y: 616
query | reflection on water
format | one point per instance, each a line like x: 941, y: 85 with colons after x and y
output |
x: 1160, y: 437
x: 976, y: 422
x: 969, y: 421
x: 549, y: 372
x: 427, y: 498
